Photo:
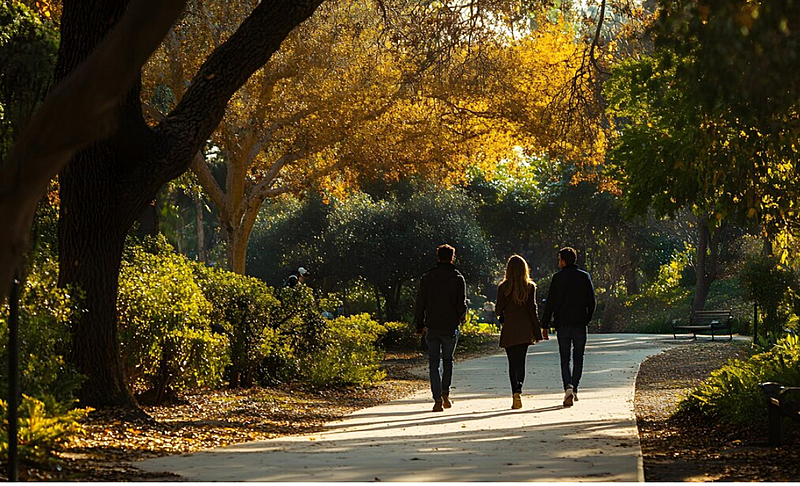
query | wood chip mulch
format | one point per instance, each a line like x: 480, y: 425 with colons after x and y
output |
x: 115, y: 439
x: 692, y: 449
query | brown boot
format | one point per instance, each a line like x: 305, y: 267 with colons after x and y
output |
x: 446, y: 403
x: 437, y: 406
x: 517, y: 402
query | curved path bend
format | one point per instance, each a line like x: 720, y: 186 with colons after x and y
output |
x: 479, y: 439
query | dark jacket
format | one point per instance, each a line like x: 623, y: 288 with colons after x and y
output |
x: 520, y: 322
x: 441, y: 300
x: 570, y: 300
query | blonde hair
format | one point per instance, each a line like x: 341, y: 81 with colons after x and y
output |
x: 517, y: 282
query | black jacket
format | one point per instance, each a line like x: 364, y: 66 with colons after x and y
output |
x: 570, y: 300
x: 441, y: 300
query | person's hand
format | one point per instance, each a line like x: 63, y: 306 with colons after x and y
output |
x: 544, y: 334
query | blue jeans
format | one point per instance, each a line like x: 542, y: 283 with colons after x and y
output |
x: 441, y: 347
x: 571, y: 340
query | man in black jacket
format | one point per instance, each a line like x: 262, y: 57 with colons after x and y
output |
x: 570, y: 304
x: 441, y: 306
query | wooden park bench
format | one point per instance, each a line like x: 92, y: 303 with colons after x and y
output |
x: 782, y: 401
x: 705, y: 320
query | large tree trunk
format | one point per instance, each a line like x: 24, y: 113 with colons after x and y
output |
x: 106, y: 187
x: 91, y: 237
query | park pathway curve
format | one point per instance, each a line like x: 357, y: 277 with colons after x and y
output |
x: 479, y: 439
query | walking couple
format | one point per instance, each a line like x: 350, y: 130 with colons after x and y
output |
x: 442, y: 305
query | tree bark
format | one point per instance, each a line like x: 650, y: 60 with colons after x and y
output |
x: 106, y: 186
x: 707, y: 262
x: 201, y: 234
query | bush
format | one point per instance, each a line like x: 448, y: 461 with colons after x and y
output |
x: 769, y: 284
x: 243, y: 308
x: 731, y: 394
x: 165, y: 326
x: 348, y: 355
x: 473, y: 333
x: 399, y: 335
x: 45, y: 313
x: 43, y: 428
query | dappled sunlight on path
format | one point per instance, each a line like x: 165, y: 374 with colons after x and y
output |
x: 479, y: 439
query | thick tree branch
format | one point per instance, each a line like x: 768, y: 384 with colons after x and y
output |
x: 79, y: 110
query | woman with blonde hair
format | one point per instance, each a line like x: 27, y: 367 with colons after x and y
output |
x: 517, y: 310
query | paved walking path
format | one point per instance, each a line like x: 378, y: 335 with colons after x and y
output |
x: 479, y: 439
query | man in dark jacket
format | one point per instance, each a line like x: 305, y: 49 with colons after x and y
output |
x: 441, y: 306
x: 570, y: 304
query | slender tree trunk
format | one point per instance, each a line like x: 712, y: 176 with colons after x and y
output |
x: 201, y: 234
x: 706, y: 267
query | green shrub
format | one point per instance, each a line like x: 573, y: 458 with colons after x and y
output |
x: 731, y: 394
x: 473, y: 333
x: 164, y: 325
x: 43, y: 428
x: 769, y: 284
x: 399, y: 335
x: 348, y: 354
x: 45, y: 313
x: 244, y: 308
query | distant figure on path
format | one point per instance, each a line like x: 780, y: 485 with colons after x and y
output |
x: 295, y: 278
x: 440, y: 308
x: 516, y: 307
x: 570, y: 304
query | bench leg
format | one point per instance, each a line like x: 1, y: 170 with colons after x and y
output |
x: 774, y: 417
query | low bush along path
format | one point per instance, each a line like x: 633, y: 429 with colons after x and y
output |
x: 694, y: 449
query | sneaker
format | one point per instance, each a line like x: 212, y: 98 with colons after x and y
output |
x: 437, y: 406
x: 517, y: 402
x: 568, y: 397
x: 446, y: 403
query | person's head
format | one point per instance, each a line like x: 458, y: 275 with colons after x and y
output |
x: 567, y: 256
x: 445, y: 253
x: 301, y: 273
x: 517, y: 283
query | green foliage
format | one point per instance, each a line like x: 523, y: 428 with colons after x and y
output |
x: 43, y: 428
x: 28, y: 48
x: 473, y: 333
x: 45, y: 315
x: 165, y: 325
x: 348, y: 354
x: 731, y: 394
x: 770, y: 285
x: 244, y: 307
x: 399, y: 335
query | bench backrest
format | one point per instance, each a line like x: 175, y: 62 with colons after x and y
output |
x: 707, y: 316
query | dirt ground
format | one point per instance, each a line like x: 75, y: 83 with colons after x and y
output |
x: 115, y: 439
x: 694, y: 450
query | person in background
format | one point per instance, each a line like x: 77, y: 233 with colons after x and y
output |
x: 516, y: 307
x: 295, y: 278
x: 440, y: 308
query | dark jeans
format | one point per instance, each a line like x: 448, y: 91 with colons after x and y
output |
x: 441, y: 347
x: 516, y: 365
x: 571, y: 340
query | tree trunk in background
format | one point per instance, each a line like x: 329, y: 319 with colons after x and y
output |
x: 201, y: 234
x: 706, y: 262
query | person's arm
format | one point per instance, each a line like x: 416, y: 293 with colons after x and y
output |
x: 534, y: 313
x: 461, y: 299
x: 592, y: 304
x: 419, y: 310
x: 500, y: 305
x: 550, y: 302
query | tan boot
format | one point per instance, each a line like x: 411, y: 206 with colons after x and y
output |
x: 517, y: 403
x: 446, y: 403
x: 437, y: 406
x: 568, y: 397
